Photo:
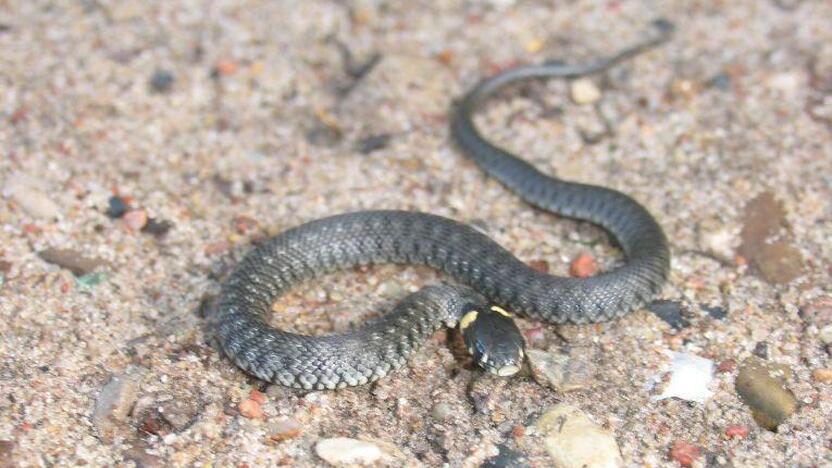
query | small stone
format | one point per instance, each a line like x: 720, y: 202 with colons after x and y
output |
x: 225, y: 68
x: 670, y: 312
x: 114, y: 402
x: 346, y: 451
x: 251, y: 409
x: 822, y: 375
x: 776, y: 261
x: 257, y: 396
x: 72, y: 260
x: 562, y: 372
x: 32, y: 200
x: 116, y: 207
x: 684, y: 453
x: 736, y: 431
x: 283, y: 429
x: 716, y: 312
x: 156, y: 227
x: 161, y: 81
x: 583, y: 266
x: 574, y: 441
x: 761, y: 386
x: 244, y: 224
x: 372, y: 143
x: 142, y: 458
x: 786, y: 82
x: 442, y: 411
x: 584, y: 91
x: 135, y: 219
x: 5, y: 267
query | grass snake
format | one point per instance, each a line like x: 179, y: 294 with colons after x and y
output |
x: 492, y: 279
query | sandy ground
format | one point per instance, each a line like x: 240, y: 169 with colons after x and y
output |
x: 232, y: 120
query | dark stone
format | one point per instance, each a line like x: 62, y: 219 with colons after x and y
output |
x: 117, y: 207
x: 761, y: 350
x: 507, y: 458
x: 721, y: 82
x: 161, y: 81
x: 72, y: 260
x: 765, y: 240
x: 716, y: 312
x: 156, y: 227
x: 671, y: 312
x: 372, y: 143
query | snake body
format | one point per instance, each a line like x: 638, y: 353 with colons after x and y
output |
x: 492, y: 274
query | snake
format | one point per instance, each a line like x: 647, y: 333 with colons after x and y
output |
x: 487, y: 283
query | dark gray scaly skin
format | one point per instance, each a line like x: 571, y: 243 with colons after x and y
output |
x: 373, y: 237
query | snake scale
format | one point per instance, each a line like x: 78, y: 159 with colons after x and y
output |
x: 492, y: 279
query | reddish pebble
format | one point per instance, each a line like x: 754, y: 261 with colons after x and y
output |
x: 736, y: 432
x: 257, y: 396
x: 727, y: 365
x: 251, y: 409
x: 583, y: 266
x: 518, y: 431
x: 540, y: 265
x: 226, y: 67
x: 32, y: 229
x: 534, y: 335
x: 684, y: 453
x: 243, y: 224
x: 135, y: 220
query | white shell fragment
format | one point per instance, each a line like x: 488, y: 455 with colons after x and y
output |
x: 690, y: 378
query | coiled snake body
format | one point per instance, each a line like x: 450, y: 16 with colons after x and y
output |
x: 495, y: 280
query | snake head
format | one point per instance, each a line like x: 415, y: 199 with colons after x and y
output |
x: 493, y: 339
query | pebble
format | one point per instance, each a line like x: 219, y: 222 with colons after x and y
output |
x: 574, y: 441
x: 684, y: 453
x: 690, y: 378
x: 823, y: 375
x: 373, y: 143
x: 251, y: 409
x: 72, y: 260
x: 560, y: 371
x: 114, y: 402
x: 116, y: 207
x: 777, y: 262
x: 583, y: 266
x: 345, y: 451
x: 283, y: 429
x: 442, y: 411
x: 157, y: 228
x: 761, y: 386
x: 670, y: 312
x: 135, y: 219
x: 736, y: 431
x: 161, y: 81
x: 584, y: 91
x: 33, y: 201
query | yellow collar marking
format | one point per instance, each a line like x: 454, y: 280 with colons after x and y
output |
x: 500, y: 311
x: 467, y: 319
